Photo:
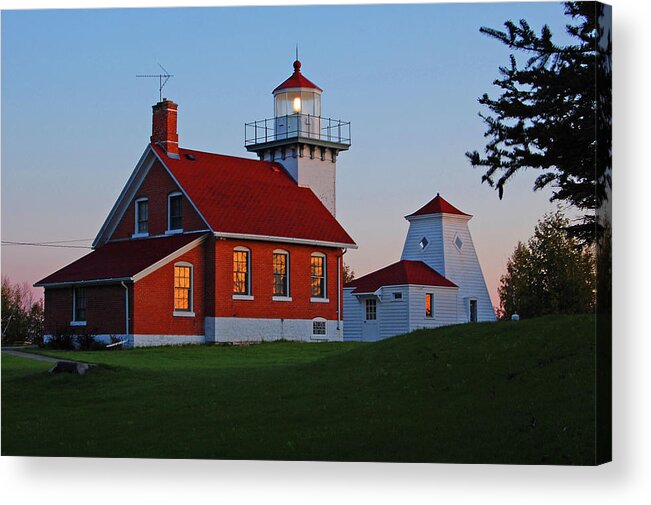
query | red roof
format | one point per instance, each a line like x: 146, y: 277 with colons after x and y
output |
x: 119, y: 260
x: 402, y: 272
x: 438, y: 206
x: 250, y: 197
x: 297, y: 80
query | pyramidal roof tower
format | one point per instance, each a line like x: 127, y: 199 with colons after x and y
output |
x: 439, y: 237
x: 298, y: 137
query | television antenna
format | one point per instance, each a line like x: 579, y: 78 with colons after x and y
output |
x: 162, y: 80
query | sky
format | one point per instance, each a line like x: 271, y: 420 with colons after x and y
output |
x: 75, y: 119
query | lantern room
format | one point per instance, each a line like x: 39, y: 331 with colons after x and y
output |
x: 297, y: 95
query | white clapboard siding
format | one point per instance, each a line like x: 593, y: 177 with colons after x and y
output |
x: 393, y: 315
x: 445, y: 307
x: 353, y: 316
x: 462, y: 267
x: 429, y: 227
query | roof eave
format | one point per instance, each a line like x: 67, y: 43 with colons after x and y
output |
x: 289, y: 240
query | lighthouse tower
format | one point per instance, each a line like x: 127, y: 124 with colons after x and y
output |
x: 300, y: 139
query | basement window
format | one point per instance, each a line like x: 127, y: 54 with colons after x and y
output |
x: 319, y: 327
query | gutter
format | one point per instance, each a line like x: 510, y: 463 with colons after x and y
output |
x: 126, y: 307
x: 287, y: 240
x: 339, y: 266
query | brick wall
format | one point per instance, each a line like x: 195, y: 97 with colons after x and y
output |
x: 105, y: 312
x: 154, y: 299
x: 262, y: 306
x: 156, y: 186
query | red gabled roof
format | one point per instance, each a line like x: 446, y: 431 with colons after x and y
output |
x: 119, y: 260
x: 297, y: 80
x: 438, y: 205
x: 251, y: 197
x: 402, y: 272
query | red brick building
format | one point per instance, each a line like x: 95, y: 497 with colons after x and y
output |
x: 202, y: 247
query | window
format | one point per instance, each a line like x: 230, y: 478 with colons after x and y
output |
x: 423, y: 243
x: 241, y: 267
x: 397, y: 296
x: 318, y: 268
x: 429, y: 305
x: 281, y: 273
x: 142, y: 216
x: 458, y: 242
x: 182, y: 287
x: 79, y: 305
x: 371, y: 309
x: 473, y: 311
x: 319, y: 327
x: 174, y: 217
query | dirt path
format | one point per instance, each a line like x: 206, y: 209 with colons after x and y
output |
x: 28, y: 355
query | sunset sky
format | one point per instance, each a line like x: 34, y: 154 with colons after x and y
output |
x: 75, y: 119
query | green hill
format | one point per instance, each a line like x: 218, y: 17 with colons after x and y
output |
x: 506, y: 392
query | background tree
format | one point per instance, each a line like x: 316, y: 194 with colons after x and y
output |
x: 349, y: 274
x: 22, y: 316
x: 551, y: 274
x: 554, y: 113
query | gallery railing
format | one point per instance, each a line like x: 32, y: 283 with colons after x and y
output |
x: 297, y: 125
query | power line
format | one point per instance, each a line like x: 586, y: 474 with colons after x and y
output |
x: 46, y: 244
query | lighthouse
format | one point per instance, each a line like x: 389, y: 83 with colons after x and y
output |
x: 298, y: 137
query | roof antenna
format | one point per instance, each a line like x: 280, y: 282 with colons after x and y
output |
x: 162, y: 80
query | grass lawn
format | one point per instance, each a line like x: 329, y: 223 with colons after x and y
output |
x: 507, y: 392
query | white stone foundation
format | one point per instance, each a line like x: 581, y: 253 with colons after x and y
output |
x: 241, y: 329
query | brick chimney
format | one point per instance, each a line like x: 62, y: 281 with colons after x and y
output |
x: 163, y: 131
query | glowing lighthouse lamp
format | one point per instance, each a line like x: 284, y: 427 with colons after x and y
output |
x: 298, y: 106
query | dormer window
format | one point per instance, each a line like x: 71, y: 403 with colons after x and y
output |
x: 142, y: 216
x: 174, y: 215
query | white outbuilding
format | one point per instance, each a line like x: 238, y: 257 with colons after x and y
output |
x: 438, y: 280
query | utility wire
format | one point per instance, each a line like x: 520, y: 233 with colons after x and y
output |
x: 45, y: 244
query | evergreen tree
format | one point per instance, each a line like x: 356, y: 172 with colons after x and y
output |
x: 554, y: 113
x: 551, y: 274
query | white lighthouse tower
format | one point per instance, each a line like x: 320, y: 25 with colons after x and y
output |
x: 300, y: 139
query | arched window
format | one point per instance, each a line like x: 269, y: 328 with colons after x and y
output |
x: 174, y: 212
x: 319, y: 275
x: 183, y: 288
x: 281, y: 273
x: 142, y: 217
x: 319, y: 327
x: 241, y: 271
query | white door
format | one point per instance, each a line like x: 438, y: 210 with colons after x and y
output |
x: 370, y: 328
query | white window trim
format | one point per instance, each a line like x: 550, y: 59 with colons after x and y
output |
x: 433, y: 316
x: 320, y: 300
x: 243, y: 297
x: 190, y: 312
x: 324, y: 298
x: 248, y: 295
x: 454, y: 241
x: 170, y: 230
x: 375, y: 300
x: 74, y: 321
x: 320, y: 335
x: 136, y: 234
x: 288, y: 296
